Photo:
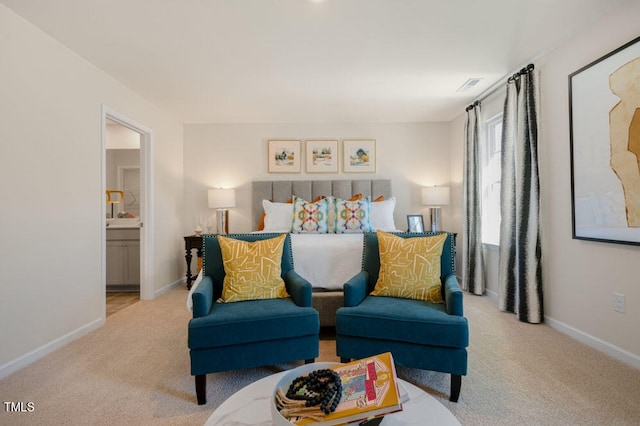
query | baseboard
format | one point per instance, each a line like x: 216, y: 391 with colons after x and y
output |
x: 170, y: 286
x: 30, y: 357
x: 594, y: 342
x: 492, y: 295
x: 591, y: 341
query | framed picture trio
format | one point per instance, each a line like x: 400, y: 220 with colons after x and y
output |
x: 322, y: 156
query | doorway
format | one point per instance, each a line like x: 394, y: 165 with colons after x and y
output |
x: 123, y: 219
x: 126, y: 207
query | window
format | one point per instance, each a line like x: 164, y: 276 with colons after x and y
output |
x: 490, y: 153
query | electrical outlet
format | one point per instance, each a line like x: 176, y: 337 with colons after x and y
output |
x: 618, y: 302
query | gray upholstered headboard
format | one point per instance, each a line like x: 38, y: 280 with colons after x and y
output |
x: 281, y: 191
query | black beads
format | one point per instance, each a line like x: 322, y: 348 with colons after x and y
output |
x: 320, y: 387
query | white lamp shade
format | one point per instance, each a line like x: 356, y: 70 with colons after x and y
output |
x: 435, y: 195
x: 221, y: 198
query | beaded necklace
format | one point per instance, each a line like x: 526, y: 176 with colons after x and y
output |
x: 321, y: 388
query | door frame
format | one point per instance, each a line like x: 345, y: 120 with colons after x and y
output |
x: 146, y: 202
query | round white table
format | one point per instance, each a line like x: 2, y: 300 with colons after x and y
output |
x: 251, y: 405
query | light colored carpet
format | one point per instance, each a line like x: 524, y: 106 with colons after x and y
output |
x: 135, y: 371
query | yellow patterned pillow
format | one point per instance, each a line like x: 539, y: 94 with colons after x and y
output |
x: 252, y: 269
x: 410, y: 267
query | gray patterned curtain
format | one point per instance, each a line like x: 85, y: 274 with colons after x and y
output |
x: 520, y: 272
x: 472, y: 262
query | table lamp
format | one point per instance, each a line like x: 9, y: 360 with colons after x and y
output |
x: 435, y: 197
x: 222, y: 199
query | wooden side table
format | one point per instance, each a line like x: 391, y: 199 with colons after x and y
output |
x: 192, y: 242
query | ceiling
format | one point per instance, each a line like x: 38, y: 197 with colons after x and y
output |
x: 256, y: 61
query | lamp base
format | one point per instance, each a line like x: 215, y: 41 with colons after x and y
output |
x: 222, y: 221
x: 435, y: 219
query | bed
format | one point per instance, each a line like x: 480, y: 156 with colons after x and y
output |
x: 328, y: 260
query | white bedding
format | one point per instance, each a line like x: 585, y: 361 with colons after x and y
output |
x: 327, y: 261
x: 193, y: 287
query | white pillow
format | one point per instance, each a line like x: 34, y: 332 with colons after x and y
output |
x: 381, y: 215
x: 278, y: 216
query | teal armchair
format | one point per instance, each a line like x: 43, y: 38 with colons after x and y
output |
x: 230, y: 336
x: 419, y: 334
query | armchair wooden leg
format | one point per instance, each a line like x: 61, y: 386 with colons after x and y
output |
x: 344, y: 360
x: 456, y: 383
x: 309, y: 361
x: 201, y: 389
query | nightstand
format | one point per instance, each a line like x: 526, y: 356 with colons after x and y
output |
x: 192, y: 242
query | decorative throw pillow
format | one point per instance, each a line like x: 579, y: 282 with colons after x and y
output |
x: 277, y: 216
x: 381, y: 215
x: 352, y: 216
x: 264, y: 215
x: 310, y: 217
x: 253, y: 269
x: 332, y: 210
x: 410, y: 267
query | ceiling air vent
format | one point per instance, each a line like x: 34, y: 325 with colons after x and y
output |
x: 469, y: 84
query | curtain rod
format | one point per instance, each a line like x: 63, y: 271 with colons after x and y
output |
x: 495, y: 86
x: 472, y: 106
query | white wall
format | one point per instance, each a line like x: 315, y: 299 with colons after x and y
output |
x: 50, y: 187
x: 579, y: 276
x: 120, y: 137
x: 232, y: 155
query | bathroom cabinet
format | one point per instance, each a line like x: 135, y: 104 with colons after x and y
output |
x: 123, y: 259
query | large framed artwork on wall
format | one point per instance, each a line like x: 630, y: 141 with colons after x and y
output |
x: 284, y: 156
x: 604, y: 116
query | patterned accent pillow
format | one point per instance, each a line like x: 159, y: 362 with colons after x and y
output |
x: 352, y: 216
x: 310, y: 217
x: 410, y: 267
x: 253, y: 269
x: 332, y: 210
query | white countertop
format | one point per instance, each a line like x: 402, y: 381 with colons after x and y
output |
x: 123, y: 223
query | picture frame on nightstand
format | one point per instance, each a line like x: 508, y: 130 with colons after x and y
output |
x: 415, y: 223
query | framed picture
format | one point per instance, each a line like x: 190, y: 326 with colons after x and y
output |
x: 415, y: 223
x: 359, y: 156
x: 284, y: 156
x: 322, y: 156
x: 605, y: 147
